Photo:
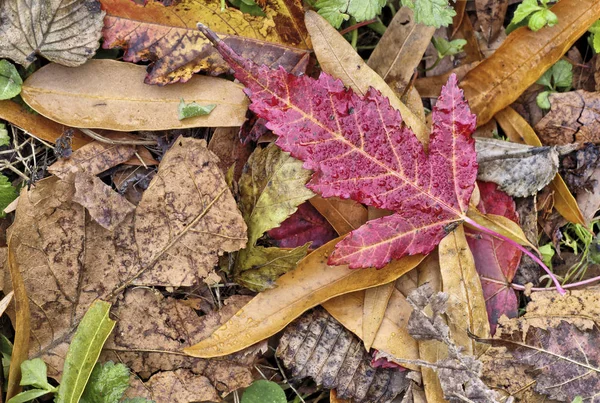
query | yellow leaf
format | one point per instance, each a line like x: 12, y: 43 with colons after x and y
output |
x: 108, y: 94
x: 311, y: 283
x: 376, y: 302
x: 343, y: 215
x: 523, y: 57
x: 501, y: 225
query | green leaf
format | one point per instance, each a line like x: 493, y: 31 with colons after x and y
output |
x: 107, y: 383
x: 28, y: 395
x: 34, y: 373
x: 4, y: 139
x: 541, y: 18
x: 193, y: 109
x: 542, y: 99
x: 271, y: 188
x: 445, y: 48
x: 338, y: 11
x: 562, y: 74
x: 137, y: 400
x: 547, y: 252
x: 259, y: 267
x: 10, y: 80
x: 7, y: 194
x: 524, y: 10
x: 595, y: 27
x: 248, y: 7
x: 92, y: 332
x: 596, y: 42
x: 514, y: 25
x: 6, y: 348
x: 578, y: 399
x: 435, y: 13
x: 264, y: 392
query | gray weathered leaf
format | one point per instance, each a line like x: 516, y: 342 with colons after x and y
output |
x: 65, y: 32
x: 520, y: 170
x: 318, y: 346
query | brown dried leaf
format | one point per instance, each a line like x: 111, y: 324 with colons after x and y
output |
x: 225, y: 143
x: 105, y: 206
x: 108, y: 94
x: 318, y: 346
x: 400, y: 49
x: 490, y: 15
x: 192, y: 230
x: 67, y: 260
x: 92, y: 158
x: 343, y: 215
x: 573, y: 117
x: 168, y: 326
x: 62, y: 32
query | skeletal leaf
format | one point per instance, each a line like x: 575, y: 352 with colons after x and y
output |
x: 63, y: 32
x: 167, y: 35
x: 318, y: 346
x: 520, y: 170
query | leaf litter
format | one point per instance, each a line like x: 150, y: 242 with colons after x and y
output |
x: 115, y: 228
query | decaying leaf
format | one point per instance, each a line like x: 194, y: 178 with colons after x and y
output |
x: 459, y: 373
x: 271, y: 188
x: 573, y: 117
x: 105, y: 206
x: 185, y: 220
x: 523, y: 57
x: 187, y: 217
x: 108, y: 94
x: 518, y: 169
x: 312, y: 282
x: 556, y: 343
x: 167, y: 35
x: 93, y: 158
x: 346, y: 140
x: 496, y: 260
x: 400, y: 49
x: 172, y: 325
x: 490, y: 15
x: 63, y: 32
x: 318, y: 346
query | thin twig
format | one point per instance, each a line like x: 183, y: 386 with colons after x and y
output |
x: 131, y: 142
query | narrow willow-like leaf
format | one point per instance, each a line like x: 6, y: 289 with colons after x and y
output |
x: 92, y: 332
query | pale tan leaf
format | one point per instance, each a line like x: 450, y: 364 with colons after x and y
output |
x: 105, y: 206
x: 108, y: 94
x: 63, y: 32
x: 311, y: 283
x: 466, y: 309
x: 375, y: 305
x: 343, y: 215
x: 338, y: 58
x: 400, y: 49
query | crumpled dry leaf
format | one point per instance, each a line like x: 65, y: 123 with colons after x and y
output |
x: 318, y: 346
x: 181, y: 225
x: 573, y: 117
x: 63, y: 32
x: 106, y: 207
x: 556, y: 343
x: 580, y: 172
x: 169, y: 324
x: 490, y: 15
x: 520, y: 170
x: 92, y: 158
x: 167, y: 35
x: 271, y: 189
x: 459, y: 373
x: 109, y: 94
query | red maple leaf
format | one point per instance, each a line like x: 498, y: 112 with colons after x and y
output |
x: 359, y: 148
x: 496, y: 260
x: 305, y: 225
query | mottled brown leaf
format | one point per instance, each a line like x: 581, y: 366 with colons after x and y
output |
x: 62, y: 32
x: 92, y: 158
x: 318, y: 346
x: 169, y: 324
x: 105, y: 206
x: 187, y: 217
x: 573, y: 117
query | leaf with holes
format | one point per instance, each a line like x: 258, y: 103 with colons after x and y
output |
x: 359, y: 148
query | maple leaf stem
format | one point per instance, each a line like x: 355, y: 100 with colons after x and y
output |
x: 523, y: 249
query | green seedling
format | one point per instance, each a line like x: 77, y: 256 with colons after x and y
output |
x: 535, y: 14
x: 557, y: 78
x: 446, y: 48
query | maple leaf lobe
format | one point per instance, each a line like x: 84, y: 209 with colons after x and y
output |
x: 359, y: 148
